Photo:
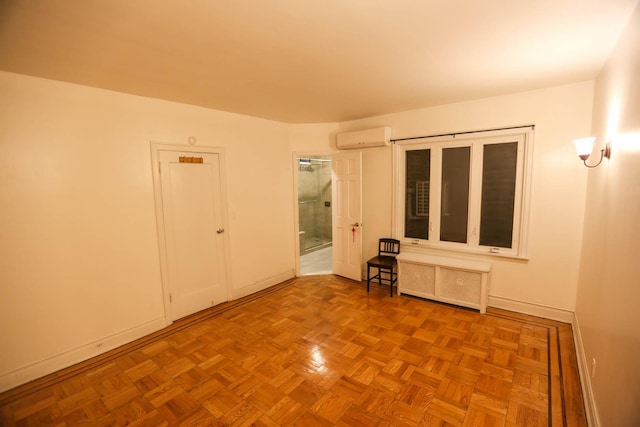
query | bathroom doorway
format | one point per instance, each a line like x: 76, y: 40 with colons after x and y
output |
x: 315, y: 215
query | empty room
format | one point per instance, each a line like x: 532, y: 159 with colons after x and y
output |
x: 376, y: 213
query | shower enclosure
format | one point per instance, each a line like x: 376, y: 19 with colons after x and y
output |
x: 314, y: 203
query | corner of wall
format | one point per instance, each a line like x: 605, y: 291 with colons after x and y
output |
x: 585, y: 379
x: 263, y: 284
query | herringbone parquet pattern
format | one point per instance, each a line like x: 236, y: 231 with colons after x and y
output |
x: 320, y: 351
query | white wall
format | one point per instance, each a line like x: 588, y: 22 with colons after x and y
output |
x: 609, y: 288
x: 78, y: 247
x: 561, y: 114
x: 313, y: 138
x: 79, y: 259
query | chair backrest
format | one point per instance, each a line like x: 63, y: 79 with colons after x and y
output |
x: 389, y: 247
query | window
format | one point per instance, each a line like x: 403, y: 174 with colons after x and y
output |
x: 418, y: 168
x: 454, y: 194
x: 499, y: 165
x: 466, y: 192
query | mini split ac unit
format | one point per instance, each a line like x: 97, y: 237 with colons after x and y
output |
x: 376, y: 137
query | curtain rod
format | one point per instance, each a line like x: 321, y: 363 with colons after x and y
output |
x: 453, y: 134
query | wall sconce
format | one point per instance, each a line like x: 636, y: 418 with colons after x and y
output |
x: 584, y: 147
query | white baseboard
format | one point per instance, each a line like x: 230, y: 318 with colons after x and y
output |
x: 532, y: 309
x: 11, y: 379
x: 23, y: 375
x: 263, y: 284
x: 585, y: 379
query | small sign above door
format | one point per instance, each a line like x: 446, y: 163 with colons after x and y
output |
x: 184, y: 159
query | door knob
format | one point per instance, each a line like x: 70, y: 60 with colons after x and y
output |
x: 220, y: 230
x: 355, y: 225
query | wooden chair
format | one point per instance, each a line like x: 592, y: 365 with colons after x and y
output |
x: 385, y: 262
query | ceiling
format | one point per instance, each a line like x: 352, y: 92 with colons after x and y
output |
x: 306, y: 61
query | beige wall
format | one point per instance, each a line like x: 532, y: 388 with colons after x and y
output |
x: 561, y: 114
x: 79, y: 258
x: 609, y: 286
x: 78, y: 245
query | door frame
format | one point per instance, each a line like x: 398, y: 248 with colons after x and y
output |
x: 156, y: 147
x: 296, y: 214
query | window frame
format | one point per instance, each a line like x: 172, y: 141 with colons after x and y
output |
x: 477, y: 141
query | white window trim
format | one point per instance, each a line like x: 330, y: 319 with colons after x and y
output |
x: 521, y: 222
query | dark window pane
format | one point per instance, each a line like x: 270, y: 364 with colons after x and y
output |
x: 498, y: 194
x: 454, y: 208
x: 416, y: 213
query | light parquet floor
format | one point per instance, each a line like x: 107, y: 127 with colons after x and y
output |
x: 320, y: 351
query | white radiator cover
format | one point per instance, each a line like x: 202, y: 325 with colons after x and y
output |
x: 451, y: 280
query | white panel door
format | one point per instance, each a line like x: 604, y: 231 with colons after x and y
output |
x: 193, y: 227
x: 347, y: 214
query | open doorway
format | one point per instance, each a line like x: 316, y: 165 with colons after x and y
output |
x: 315, y: 215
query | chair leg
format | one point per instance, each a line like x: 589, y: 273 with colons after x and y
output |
x: 391, y: 283
x: 380, y: 279
x: 368, y: 277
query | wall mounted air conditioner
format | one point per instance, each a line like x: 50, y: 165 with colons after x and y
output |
x: 376, y: 137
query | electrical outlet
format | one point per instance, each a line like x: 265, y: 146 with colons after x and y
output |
x: 593, y: 367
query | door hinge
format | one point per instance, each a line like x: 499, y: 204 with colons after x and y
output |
x: 170, y: 298
x: 159, y: 168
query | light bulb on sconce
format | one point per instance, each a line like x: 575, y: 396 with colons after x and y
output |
x: 584, y: 147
